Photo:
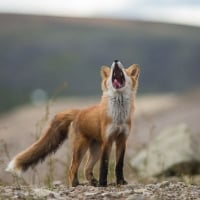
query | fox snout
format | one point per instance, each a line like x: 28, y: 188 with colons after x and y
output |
x: 117, y: 63
x: 118, y: 77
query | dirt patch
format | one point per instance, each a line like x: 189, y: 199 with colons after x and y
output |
x: 160, y: 191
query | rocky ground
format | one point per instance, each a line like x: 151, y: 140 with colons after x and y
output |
x: 165, y: 190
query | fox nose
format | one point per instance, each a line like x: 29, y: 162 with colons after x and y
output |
x: 117, y: 63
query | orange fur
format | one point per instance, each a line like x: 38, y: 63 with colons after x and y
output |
x: 95, y: 129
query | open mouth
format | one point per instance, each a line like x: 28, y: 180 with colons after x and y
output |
x: 118, y: 79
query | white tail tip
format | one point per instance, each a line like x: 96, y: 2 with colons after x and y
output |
x: 12, y: 168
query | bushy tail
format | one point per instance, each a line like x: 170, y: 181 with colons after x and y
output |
x: 47, y: 144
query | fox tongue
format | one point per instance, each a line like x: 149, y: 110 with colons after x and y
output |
x: 116, y: 83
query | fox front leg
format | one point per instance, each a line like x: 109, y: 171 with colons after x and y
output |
x: 120, y: 152
x: 106, y: 149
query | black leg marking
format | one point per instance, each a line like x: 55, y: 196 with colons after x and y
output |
x: 75, y: 181
x: 104, y: 169
x: 119, y: 169
x: 120, y: 152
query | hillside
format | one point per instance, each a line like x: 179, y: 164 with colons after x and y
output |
x: 46, y: 52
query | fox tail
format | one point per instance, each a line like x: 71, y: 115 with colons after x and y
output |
x: 47, y: 144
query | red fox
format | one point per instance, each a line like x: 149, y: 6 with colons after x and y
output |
x: 95, y: 129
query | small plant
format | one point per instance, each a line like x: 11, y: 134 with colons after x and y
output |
x: 50, y: 173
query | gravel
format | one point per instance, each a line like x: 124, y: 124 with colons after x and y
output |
x: 165, y: 190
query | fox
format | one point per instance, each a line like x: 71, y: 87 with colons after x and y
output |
x: 95, y: 129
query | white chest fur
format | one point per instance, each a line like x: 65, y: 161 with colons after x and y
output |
x: 119, y: 106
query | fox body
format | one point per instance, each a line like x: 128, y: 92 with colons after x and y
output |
x: 95, y: 128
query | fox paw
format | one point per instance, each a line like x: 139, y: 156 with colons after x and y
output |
x: 75, y: 183
x: 102, y: 184
x: 122, y: 182
x: 94, y: 182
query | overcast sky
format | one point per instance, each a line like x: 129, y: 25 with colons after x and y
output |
x: 174, y: 11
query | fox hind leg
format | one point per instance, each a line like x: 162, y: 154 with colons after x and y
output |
x: 79, y: 150
x: 94, y: 154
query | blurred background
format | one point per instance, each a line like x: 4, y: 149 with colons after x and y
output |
x: 48, y: 44
x: 54, y: 50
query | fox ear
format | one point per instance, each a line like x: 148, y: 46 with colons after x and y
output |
x: 134, y: 71
x: 105, y: 72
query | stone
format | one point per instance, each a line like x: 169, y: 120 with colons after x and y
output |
x: 175, y: 151
x: 57, y: 183
x: 136, y: 197
x: 44, y: 193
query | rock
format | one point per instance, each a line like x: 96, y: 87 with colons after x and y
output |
x: 175, y: 151
x: 57, y: 183
x: 139, y: 191
x: 88, y: 194
x: 136, y: 197
x: 163, y: 184
x: 44, y: 193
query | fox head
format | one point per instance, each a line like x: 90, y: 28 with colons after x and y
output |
x: 118, y: 79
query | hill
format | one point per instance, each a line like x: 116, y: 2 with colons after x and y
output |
x: 45, y: 52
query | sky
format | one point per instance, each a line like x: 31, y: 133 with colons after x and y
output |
x: 171, y: 11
